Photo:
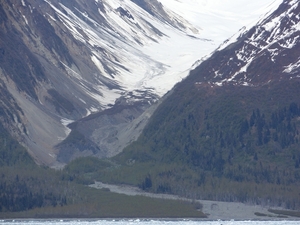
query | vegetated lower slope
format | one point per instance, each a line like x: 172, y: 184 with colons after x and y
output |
x: 31, y: 191
x: 23, y: 184
x: 230, y: 131
x: 234, y: 144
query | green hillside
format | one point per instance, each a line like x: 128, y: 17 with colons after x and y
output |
x: 31, y: 191
x: 230, y: 143
x: 23, y: 184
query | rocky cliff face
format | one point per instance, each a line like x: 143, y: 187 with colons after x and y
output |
x: 63, y: 60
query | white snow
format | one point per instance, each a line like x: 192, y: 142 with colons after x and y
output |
x: 25, y: 19
x: 66, y: 122
x: 51, y: 17
x: 220, y: 19
x: 278, y: 35
x: 272, y: 24
x: 291, y: 67
x: 140, y: 58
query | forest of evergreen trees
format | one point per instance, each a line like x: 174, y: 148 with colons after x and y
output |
x: 23, y: 184
x: 229, y: 144
x: 16, y: 195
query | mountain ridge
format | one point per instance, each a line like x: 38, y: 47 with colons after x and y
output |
x: 69, y: 96
x: 62, y: 61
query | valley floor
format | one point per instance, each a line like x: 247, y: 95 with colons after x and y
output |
x: 215, y: 210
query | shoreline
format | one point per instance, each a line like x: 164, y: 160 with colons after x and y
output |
x: 215, y: 210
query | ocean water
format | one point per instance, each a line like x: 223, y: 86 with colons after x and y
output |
x: 142, y: 222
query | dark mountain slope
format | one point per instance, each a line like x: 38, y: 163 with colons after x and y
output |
x: 232, y: 144
x: 61, y: 61
x: 230, y: 131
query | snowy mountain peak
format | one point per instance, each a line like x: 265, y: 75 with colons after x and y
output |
x: 265, y: 45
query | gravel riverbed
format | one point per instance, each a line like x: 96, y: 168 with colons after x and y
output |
x: 215, y: 210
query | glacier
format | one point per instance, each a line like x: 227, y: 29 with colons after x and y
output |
x: 156, y: 63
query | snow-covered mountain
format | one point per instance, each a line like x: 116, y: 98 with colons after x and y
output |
x: 102, y: 64
x: 266, y: 52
